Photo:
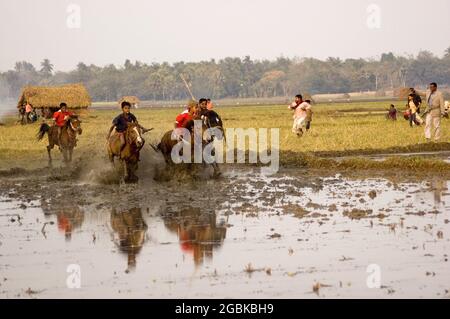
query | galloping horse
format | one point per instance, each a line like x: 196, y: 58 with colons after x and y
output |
x: 68, y: 138
x: 129, y: 155
x: 210, y: 119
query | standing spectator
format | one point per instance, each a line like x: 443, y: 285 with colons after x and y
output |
x: 435, y: 108
x: 22, y: 115
x: 28, y: 110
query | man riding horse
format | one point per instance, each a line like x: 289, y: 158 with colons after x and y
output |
x: 120, y: 124
x: 127, y: 141
x: 60, y: 119
x: 209, y: 120
x: 187, y: 115
x: 63, y: 133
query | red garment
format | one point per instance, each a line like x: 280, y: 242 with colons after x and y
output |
x: 183, y: 118
x: 60, y: 117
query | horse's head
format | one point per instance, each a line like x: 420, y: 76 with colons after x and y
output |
x: 134, y: 135
x: 212, y: 120
x: 75, y: 124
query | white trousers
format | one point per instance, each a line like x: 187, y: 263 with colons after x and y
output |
x: 433, y: 125
x: 299, y: 123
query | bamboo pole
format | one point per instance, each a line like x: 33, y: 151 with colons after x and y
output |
x: 187, y: 87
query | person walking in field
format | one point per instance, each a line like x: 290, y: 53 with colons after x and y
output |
x: 416, y: 98
x: 435, y: 109
x: 412, y: 110
x: 301, y: 109
x: 60, y: 119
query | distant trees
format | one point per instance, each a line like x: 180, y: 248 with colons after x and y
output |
x: 233, y: 77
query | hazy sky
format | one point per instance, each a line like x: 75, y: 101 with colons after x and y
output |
x: 175, y: 30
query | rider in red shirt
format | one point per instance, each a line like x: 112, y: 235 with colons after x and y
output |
x: 187, y: 115
x: 60, y: 118
x: 182, y: 119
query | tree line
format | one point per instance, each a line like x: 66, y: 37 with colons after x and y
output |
x: 236, y: 77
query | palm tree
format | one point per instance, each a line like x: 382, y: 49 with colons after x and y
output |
x: 46, y: 68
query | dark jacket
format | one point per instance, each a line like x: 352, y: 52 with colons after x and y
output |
x: 121, y: 122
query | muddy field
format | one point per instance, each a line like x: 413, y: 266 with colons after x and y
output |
x: 297, y: 234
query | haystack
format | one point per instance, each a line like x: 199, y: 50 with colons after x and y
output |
x: 133, y: 100
x: 40, y: 97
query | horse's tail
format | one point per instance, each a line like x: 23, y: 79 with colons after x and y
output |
x: 43, y: 129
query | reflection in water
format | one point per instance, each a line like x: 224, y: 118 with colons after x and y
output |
x: 438, y: 186
x: 198, y: 233
x: 69, y: 219
x: 129, y: 230
x: 433, y: 192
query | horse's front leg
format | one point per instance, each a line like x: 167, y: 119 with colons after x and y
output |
x: 125, y: 171
x: 65, y: 155
x: 70, y: 155
x: 217, y: 171
x: 111, y: 159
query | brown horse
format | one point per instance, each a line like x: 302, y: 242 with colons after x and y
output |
x: 129, y: 155
x: 69, y: 133
x: 209, y: 120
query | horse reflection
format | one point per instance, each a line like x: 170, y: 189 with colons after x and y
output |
x: 198, y: 233
x: 129, y: 232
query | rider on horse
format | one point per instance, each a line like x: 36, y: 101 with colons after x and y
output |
x: 120, y: 124
x: 203, y: 106
x: 60, y: 119
x: 187, y: 115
